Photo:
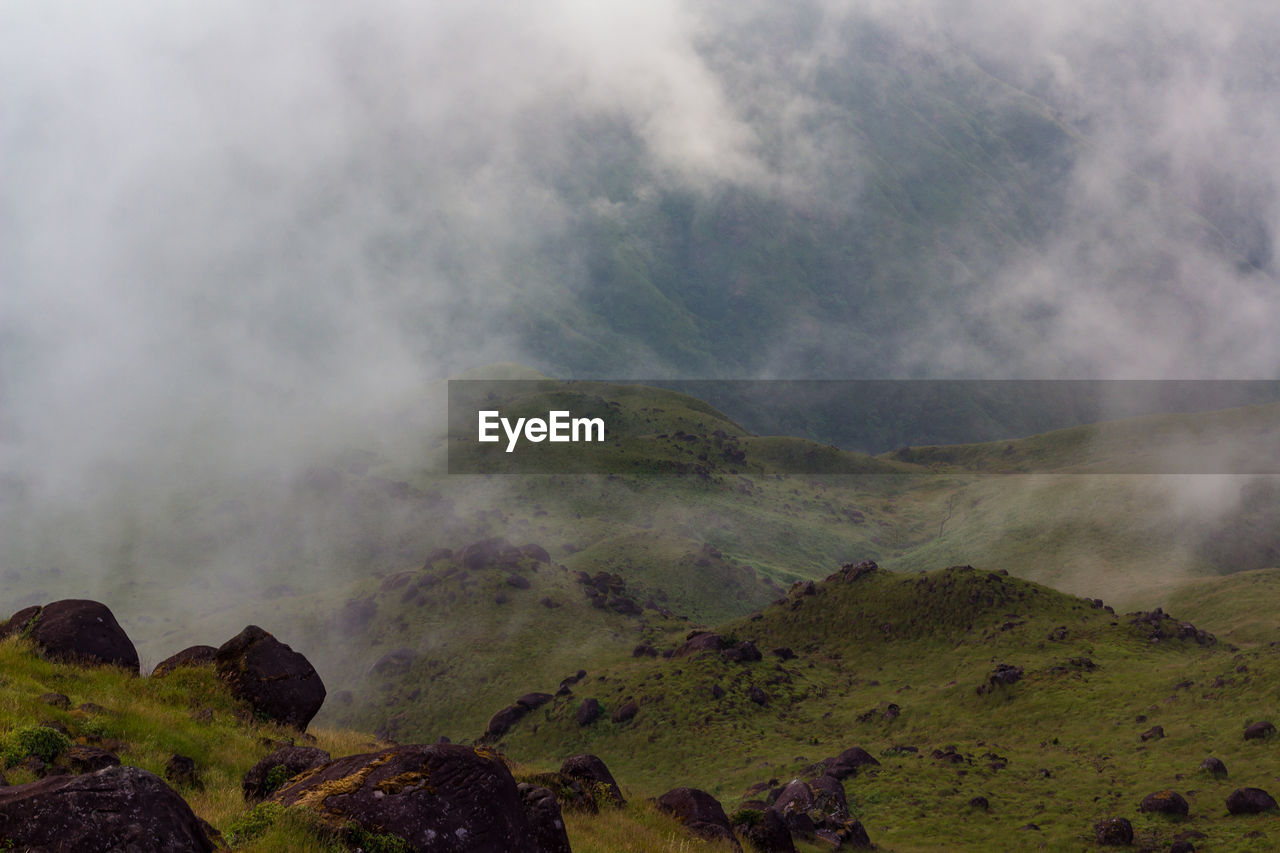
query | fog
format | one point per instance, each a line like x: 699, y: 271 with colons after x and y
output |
x: 239, y: 239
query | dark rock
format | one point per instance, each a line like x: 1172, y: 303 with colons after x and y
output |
x: 717, y: 692
x: 625, y: 605
x: 501, y: 722
x: 190, y: 656
x: 1259, y: 730
x: 1182, y: 845
x: 274, y: 679
x: 79, y: 631
x: 356, y: 615
x: 591, y: 771
x: 87, y: 759
x: 1249, y: 801
x: 477, y: 555
x: 980, y: 803
x: 700, y: 813
x: 626, y: 712
x: 1165, y: 802
x: 796, y: 798
x: 1003, y: 674
x: 436, y: 556
x: 698, y: 642
x: 767, y: 833
x: 19, y: 622
x: 846, y: 764
x: 1153, y: 733
x: 181, y: 770
x: 57, y: 700
x: 519, y: 581
x: 743, y: 652
x: 534, y: 700
x: 114, y: 809
x: 755, y: 694
x: 423, y: 794
x: 588, y: 712
x: 829, y: 796
x: 263, y: 778
x: 395, y: 662
x: 1113, y: 832
x: 543, y: 811
x: 535, y: 552
x: 784, y: 653
x: 846, y: 835
x: 1214, y: 767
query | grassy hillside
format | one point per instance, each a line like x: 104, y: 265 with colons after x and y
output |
x: 889, y: 661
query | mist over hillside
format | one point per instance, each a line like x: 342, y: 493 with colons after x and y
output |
x: 239, y: 244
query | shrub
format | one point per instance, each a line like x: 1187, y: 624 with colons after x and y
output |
x: 41, y: 741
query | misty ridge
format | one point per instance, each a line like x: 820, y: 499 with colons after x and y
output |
x: 243, y: 246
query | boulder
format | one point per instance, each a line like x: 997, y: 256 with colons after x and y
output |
x: 1250, y: 801
x: 442, y: 797
x: 588, y: 712
x: 181, y: 770
x: 626, y: 713
x: 1259, y: 730
x: 190, y: 656
x: 543, y: 810
x: 274, y: 679
x: 533, y: 701
x: 700, y: 813
x: 263, y: 779
x: 76, y: 630
x: 501, y: 722
x: 846, y: 764
x: 592, y: 772
x: 1214, y: 767
x: 766, y: 832
x: 1113, y: 832
x: 87, y: 759
x: 1164, y: 802
x: 699, y: 642
x: 845, y: 835
x: 114, y: 809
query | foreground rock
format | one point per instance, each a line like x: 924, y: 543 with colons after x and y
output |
x: 270, y: 774
x: 442, y: 798
x: 700, y: 813
x: 766, y: 832
x: 77, y: 631
x: 277, y: 681
x: 115, y: 809
x: 1114, y: 831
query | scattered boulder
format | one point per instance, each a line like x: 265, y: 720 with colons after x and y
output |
x: 1153, y: 733
x: 700, y: 813
x: 757, y: 695
x: 698, y: 642
x: 1214, y: 767
x: 519, y: 581
x: 1249, y: 801
x: 846, y: 764
x: 533, y: 701
x: 743, y: 652
x: 501, y: 722
x: 847, y: 835
x: 117, y: 808
x: 1004, y: 674
x: 1164, y: 802
x: 477, y: 555
x: 181, y: 770
x: 588, y: 712
x: 764, y: 830
x: 437, y: 797
x: 76, y: 630
x: 274, y: 679
x: 543, y: 811
x: 784, y: 653
x: 980, y: 803
x: 273, y: 771
x: 1259, y: 730
x: 436, y: 556
x: 88, y: 759
x: 626, y: 712
x: 57, y: 700
x: 190, y: 656
x: 1113, y: 832
x: 592, y: 772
